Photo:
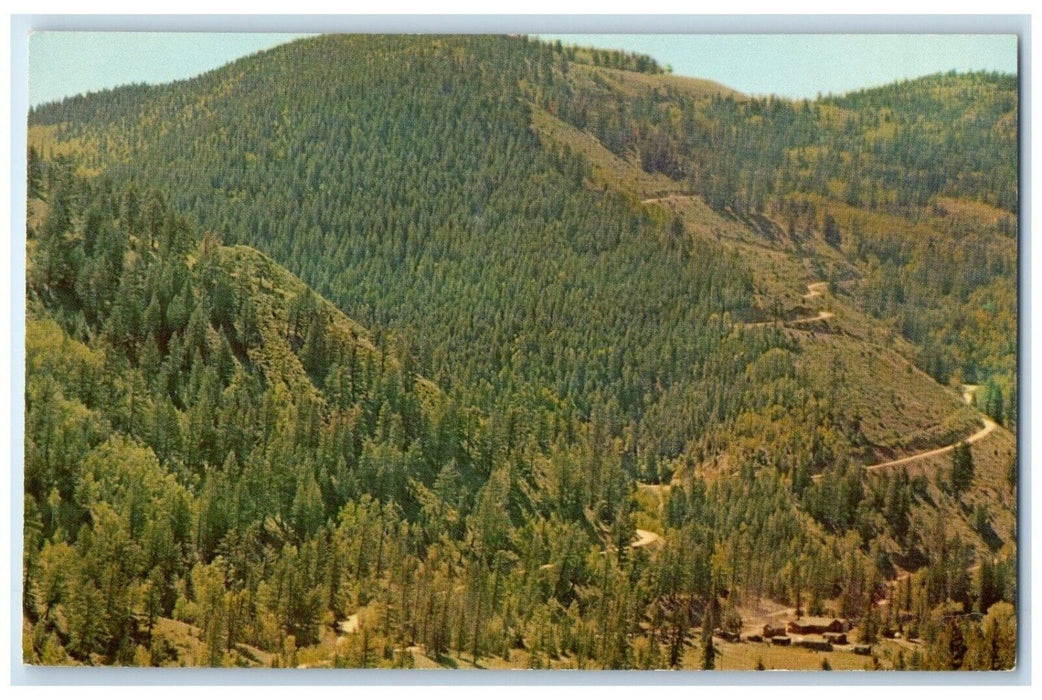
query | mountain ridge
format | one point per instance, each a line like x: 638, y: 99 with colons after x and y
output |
x: 599, y: 300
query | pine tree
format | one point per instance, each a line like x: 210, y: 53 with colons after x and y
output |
x: 708, y: 624
x: 831, y: 231
x: 962, y: 469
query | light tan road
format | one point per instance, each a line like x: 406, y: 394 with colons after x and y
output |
x: 989, y: 427
x: 815, y: 289
x: 645, y: 537
x: 821, y: 316
x: 670, y: 198
x: 968, y: 392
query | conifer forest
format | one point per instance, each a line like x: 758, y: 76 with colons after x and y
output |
x: 375, y: 351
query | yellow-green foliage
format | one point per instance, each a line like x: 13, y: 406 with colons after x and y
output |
x: 574, y: 273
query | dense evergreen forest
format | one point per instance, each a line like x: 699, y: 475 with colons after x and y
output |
x: 558, y: 431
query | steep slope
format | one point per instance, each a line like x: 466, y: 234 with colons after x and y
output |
x: 221, y: 469
x: 613, y: 275
x: 490, y: 238
x: 189, y: 404
x: 400, y: 177
x: 905, y: 195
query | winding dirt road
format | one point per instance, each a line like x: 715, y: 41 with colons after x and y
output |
x: 644, y: 538
x: 989, y: 427
x: 814, y: 289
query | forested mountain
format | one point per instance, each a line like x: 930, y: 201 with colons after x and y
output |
x: 914, y: 183
x: 576, y: 279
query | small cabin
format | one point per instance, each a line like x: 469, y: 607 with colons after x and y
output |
x: 836, y: 637
x: 726, y: 635
x: 862, y: 649
x: 754, y: 637
x: 815, y: 642
x: 781, y: 640
x: 769, y: 631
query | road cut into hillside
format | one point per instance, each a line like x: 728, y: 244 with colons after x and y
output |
x: 645, y: 537
x: 669, y: 199
x: 989, y: 427
x: 814, y: 289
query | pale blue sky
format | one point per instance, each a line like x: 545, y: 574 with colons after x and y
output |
x: 802, y: 65
x: 67, y: 63
x: 62, y: 64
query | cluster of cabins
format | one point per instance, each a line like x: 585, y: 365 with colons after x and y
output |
x: 817, y: 633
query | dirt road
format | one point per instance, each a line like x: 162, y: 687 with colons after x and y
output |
x: 671, y: 198
x: 968, y: 391
x: 645, y: 537
x: 989, y: 427
x: 753, y: 622
x: 814, y: 289
x: 821, y: 316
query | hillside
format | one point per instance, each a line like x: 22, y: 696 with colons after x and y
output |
x: 903, y: 195
x: 572, y: 274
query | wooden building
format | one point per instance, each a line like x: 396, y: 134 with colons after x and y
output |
x: 815, y: 642
x: 727, y: 635
x: 817, y: 625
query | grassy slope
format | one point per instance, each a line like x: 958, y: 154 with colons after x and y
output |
x: 607, y: 169
x: 904, y: 409
x: 631, y: 83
